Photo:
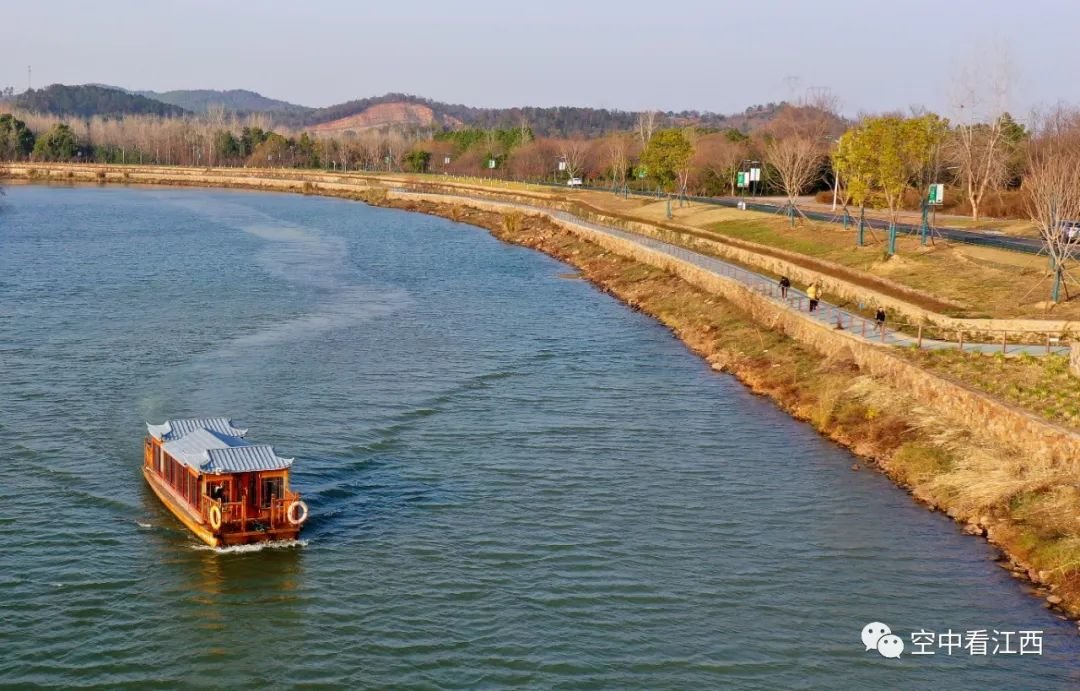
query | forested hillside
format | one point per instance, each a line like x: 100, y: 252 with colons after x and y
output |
x: 558, y: 121
x: 89, y: 100
x: 234, y: 100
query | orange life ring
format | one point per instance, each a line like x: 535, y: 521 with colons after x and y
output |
x: 291, y: 514
x: 215, y: 516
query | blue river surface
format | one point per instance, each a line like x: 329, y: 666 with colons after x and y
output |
x: 515, y: 480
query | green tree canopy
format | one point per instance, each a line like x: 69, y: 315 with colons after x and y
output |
x: 306, y: 152
x: 58, y: 144
x: 226, y: 145
x: 883, y: 156
x: 16, y: 139
x: 418, y: 160
x: 735, y: 136
x: 667, y: 153
x: 270, y: 151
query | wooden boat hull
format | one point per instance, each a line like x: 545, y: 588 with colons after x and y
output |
x: 195, y: 524
x: 198, y: 526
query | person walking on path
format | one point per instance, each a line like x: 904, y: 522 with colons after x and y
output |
x: 880, y: 318
x: 785, y: 283
x: 814, y: 294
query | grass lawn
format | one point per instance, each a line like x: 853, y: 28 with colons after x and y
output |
x: 988, y: 282
x: 1040, y: 385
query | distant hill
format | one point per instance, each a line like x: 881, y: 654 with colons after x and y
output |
x: 404, y: 110
x: 235, y: 100
x: 88, y: 100
x: 390, y: 111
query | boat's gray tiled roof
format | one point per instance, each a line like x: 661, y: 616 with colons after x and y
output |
x: 211, y: 451
x: 171, y: 430
x: 243, y: 459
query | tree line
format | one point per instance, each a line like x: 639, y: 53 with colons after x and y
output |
x: 877, y: 161
x: 881, y: 161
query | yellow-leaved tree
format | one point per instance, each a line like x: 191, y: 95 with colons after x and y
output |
x: 882, y: 157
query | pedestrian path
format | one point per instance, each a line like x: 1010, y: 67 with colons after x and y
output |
x: 827, y: 313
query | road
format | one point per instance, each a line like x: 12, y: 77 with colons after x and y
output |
x: 985, y: 238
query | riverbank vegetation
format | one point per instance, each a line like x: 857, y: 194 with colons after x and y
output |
x: 1041, y: 385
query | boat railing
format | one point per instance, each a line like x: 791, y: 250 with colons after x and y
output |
x: 276, y: 513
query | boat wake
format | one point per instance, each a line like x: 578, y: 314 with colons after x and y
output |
x: 313, y: 263
x: 254, y: 547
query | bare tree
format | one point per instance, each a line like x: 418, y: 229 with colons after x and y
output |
x: 797, y: 160
x: 721, y: 157
x: 646, y: 125
x: 573, y: 152
x: 796, y: 143
x: 1052, y: 186
x: 823, y: 99
x: 615, y: 155
x: 979, y: 147
x: 682, y: 174
x: 525, y: 134
x: 532, y: 161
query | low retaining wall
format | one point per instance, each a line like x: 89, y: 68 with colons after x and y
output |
x: 1009, y: 425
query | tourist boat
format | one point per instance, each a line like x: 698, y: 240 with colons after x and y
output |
x: 225, y: 489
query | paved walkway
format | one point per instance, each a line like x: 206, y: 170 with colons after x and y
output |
x: 826, y: 313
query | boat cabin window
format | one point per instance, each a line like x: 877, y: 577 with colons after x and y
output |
x: 218, y: 490
x: 271, y: 489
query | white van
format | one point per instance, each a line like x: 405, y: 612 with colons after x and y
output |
x: 573, y: 182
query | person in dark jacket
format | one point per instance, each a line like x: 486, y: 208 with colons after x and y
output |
x: 785, y: 283
x: 880, y: 318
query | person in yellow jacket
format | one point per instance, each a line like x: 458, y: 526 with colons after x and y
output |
x: 814, y: 293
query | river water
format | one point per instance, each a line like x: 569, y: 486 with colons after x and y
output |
x: 514, y: 479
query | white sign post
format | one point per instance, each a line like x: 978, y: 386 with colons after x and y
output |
x: 753, y: 176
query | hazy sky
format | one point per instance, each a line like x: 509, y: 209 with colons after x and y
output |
x: 688, y: 54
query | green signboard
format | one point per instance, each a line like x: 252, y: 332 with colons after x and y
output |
x: 642, y: 172
x: 937, y: 194
x: 743, y: 179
